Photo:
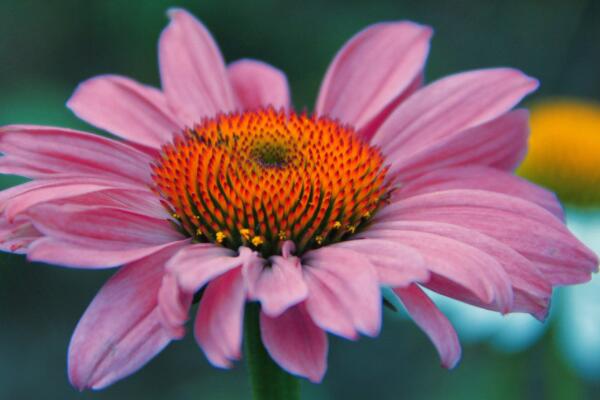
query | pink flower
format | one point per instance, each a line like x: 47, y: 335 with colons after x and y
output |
x: 218, y: 188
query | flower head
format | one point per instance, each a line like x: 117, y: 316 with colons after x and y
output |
x: 219, y: 191
x: 563, y: 150
x: 262, y: 177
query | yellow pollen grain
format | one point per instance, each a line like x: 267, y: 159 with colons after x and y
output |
x: 319, y: 239
x: 220, y: 236
x: 245, y: 233
x: 337, y: 225
x: 257, y: 241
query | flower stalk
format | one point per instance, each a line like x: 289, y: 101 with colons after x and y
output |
x: 268, y: 380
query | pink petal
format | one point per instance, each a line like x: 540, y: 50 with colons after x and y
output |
x: 119, y: 331
x: 17, y: 236
x: 277, y: 286
x: 51, y: 190
x: 140, y: 201
x: 9, y: 195
x: 532, y: 291
x: 429, y: 318
x: 96, y: 237
x: 133, y: 111
x: 81, y: 255
x: 501, y: 143
x: 296, y: 343
x: 173, y: 306
x: 218, y: 326
x: 102, y: 227
x: 39, y: 152
x: 527, y: 228
x: 459, y: 270
x: 367, y: 131
x: 374, y: 68
x: 327, y: 310
x: 11, y: 192
x: 192, y: 70
x: 396, y: 265
x: 481, y: 178
x: 257, y: 84
x: 344, y: 294
x: 187, y: 272
x: 197, y: 265
x: 451, y: 105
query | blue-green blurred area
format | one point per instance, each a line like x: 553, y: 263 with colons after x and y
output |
x: 48, y: 47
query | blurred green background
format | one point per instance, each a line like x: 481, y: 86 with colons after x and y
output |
x: 46, y: 48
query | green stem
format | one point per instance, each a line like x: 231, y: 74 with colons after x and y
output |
x: 269, y: 381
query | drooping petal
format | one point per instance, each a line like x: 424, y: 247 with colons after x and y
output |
x: 344, y: 294
x: 197, y: 265
x: 277, y: 286
x: 458, y: 270
x: 218, y: 326
x: 189, y: 271
x: 192, y: 70
x: 40, y: 152
x: 296, y: 343
x: 327, y: 310
x: 374, y: 68
x: 396, y: 265
x: 524, y: 226
x: 481, y: 178
x: 451, y: 105
x: 119, y: 331
x: 500, y: 143
x: 133, y: 111
x: 173, y: 306
x: 257, y: 84
x: 435, y: 324
x: 532, y: 291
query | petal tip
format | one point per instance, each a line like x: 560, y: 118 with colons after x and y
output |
x: 451, y: 363
x: 174, y: 12
x: 530, y: 83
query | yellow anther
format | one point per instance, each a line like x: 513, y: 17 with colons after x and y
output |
x: 351, y: 228
x: 367, y: 214
x: 198, y: 232
x: 319, y: 239
x: 257, y: 241
x: 220, y: 236
x: 337, y: 225
x: 174, y: 215
x: 245, y: 232
x: 282, y: 235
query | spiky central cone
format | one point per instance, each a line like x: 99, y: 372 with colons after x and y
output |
x: 260, y: 178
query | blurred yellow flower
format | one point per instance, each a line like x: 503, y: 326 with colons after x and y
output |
x: 564, y: 150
